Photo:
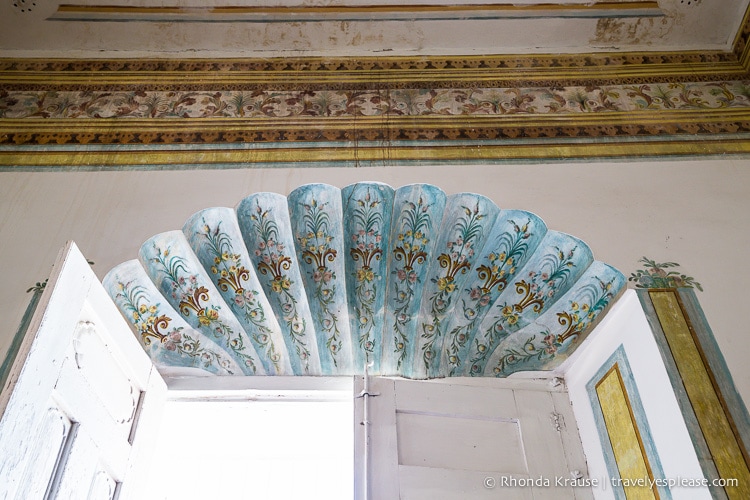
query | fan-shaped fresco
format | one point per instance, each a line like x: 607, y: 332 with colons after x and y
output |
x: 326, y: 281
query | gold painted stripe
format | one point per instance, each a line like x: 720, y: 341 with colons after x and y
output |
x: 379, y: 77
x: 627, y: 444
x: 386, y: 155
x: 360, y: 9
x: 705, y: 397
x: 378, y: 70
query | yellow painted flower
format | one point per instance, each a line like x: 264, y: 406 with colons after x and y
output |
x: 365, y: 275
x: 276, y: 285
x: 513, y: 319
x: 507, y: 310
x: 574, y: 306
x: 142, y: 309
x: 442, y: 283
x: 217, y: 260
x: 204, y: 320
x: 152, y: 309
x: 214, y: 269
x: 212, y: 314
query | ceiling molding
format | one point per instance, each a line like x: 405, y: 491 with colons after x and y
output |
x: 370, y: 12
x: 392, y: 71
x: 376, y: 110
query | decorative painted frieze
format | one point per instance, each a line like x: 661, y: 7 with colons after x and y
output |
x: 331, y: 281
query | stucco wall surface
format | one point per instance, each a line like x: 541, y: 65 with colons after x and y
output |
x: 695, y: 213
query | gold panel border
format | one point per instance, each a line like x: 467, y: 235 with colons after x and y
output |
x: 385, y: 155
x: 714, y: 418
x: 290, y: 10
x: 691, y: 131
x: 614, y: 423
x: 393, y: 72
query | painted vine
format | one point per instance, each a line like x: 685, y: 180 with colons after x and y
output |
x: 192, y: 296
x: 231, y: 275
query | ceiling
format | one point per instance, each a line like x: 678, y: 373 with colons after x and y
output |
x: 369, y: 82
x: 246, y: 28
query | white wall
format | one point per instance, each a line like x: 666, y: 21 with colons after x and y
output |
x: 626, y: 326
x: 696, y: 213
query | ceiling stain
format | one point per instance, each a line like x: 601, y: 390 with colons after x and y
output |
x: 640, y: 31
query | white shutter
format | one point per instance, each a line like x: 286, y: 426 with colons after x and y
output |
x: 465, y: 438
x: 80, y: 410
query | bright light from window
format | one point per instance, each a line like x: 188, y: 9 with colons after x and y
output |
x: 254, y: 449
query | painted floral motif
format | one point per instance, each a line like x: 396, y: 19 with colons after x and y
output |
x: 467, y: 231
x: 578, y: 316
x: 656, y: 276
x: 500, y: 266
x: 315, y: 246
x: 366, y: 247
x: 274, y: 263
x: 232, y: 275
x: 191, y: 297
x: 535, y: 290
x: 154, y: 326
x: 410, y: 251
x: 541, y: 351
x: 270, y: 103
